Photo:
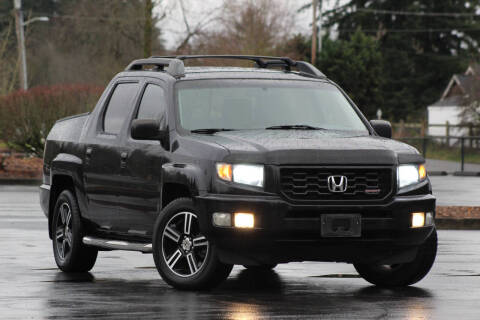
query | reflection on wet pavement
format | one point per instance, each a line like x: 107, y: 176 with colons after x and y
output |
x: 245, y: 296
x: 125, y: 285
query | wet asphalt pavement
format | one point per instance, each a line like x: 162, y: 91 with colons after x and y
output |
x: 456, y: 191
x: 125, y: 285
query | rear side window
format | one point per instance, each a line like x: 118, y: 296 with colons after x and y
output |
x: 152, y: 105
x: 119, y: 107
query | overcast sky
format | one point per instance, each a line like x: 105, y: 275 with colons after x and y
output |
x: 172, y: 26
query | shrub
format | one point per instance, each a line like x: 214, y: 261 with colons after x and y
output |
x: 26, y: 117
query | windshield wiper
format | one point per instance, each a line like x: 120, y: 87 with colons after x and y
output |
x: 210, y: 130
x: 294, y: 126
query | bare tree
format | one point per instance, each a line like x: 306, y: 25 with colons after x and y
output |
x: 470, y: 114
x: 8, y: 60
x: 148, y: 28
x: 194, y: 29
x: 93, y: 39
x: 249, y: 27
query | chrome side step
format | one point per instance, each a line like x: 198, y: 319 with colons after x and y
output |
x: 117, y: 244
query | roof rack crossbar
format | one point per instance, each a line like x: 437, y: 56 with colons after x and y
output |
x: 173, y: 66
x: 261, y: 62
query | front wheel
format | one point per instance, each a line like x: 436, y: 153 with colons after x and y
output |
x: 402, y: 274
x: 184, y: 257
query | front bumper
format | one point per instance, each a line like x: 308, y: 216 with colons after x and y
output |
x: 286, y: 232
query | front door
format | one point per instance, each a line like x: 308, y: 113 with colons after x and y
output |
x: 139, y: 201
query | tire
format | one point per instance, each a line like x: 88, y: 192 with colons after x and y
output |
x: 184, y: 258
x: 71, y: 255
x: 404, y: 274
x: 263, y: 267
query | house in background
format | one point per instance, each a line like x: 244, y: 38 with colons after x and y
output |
x: 449, y: 108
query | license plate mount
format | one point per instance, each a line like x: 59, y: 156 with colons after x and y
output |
x: 341, y: 225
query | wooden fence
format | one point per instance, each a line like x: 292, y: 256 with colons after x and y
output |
x: 420, y: 129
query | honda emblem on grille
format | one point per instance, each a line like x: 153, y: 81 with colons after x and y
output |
x: 337, y: 183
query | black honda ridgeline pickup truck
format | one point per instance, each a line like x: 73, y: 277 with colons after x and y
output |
x: 208, y: 167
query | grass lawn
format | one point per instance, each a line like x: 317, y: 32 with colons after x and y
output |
x: 440, y: 151
x: 453, y: 154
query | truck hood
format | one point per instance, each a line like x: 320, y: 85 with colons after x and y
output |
x: 312, y: 147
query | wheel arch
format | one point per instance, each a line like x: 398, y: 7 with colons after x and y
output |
x: 65, y: 174
x: 181, y: 180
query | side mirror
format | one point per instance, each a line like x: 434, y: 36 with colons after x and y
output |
x: 382, y: 128
x: 148, y: 129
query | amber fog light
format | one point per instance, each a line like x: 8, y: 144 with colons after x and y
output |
x: 224, y: 171
x: 418, y: 219
x: 244, y: 220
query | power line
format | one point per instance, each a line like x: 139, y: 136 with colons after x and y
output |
x: 411, y: 30
x: 420, y: 30
x: 420, y: 13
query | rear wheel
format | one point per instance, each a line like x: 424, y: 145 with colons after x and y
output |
x: 71, y: 255
x: 403, y: 274
x: 184, y: 257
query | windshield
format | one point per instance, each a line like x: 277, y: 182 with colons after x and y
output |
x: 261, y: 104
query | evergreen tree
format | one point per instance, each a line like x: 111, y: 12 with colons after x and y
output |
x: 421, y: 50
x: 356, y: 65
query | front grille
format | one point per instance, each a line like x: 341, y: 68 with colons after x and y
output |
x: 311, y: 183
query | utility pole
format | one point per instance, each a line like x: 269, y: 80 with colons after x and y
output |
x: 148, y: 29
x: 320, y: 18
x: 21, y: 43
x: 314, y: 31
x: 22, y: 54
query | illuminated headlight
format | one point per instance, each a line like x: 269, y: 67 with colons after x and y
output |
x: 410, y: 174
x: 250, y: 174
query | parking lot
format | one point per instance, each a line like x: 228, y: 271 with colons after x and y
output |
x: 125, y: 285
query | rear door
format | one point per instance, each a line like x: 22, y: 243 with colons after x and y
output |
x: 103, y: 155
x: 139, y: 201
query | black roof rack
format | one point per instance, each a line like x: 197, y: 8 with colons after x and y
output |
x: 261, y: 61
x: 304, y: 68
x: 175, y: 65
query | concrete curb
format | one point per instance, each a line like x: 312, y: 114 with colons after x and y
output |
x: 23, y: 182
x: 466, y: 173
x: 457, y: 224
x: 458, y: 217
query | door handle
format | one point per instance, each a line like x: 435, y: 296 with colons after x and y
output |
x: 123, y: 161
x: 88, y: 155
